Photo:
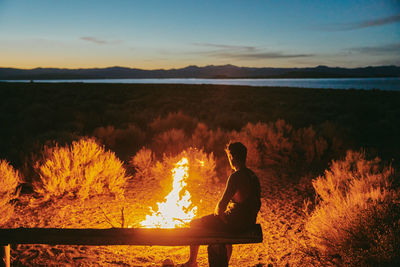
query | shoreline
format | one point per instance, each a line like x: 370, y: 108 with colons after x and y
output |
x: 384, y: 84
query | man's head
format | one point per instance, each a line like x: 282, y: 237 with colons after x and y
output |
x: 237, y: 154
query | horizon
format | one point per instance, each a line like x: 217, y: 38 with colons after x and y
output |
x: 149, y: 35
x: 193, y: 65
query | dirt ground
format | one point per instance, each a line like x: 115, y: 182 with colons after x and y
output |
x: 281, y: 218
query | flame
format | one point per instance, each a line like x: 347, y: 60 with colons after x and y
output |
x: 174, y: 211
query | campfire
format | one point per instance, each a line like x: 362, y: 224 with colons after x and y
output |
x: 177, y: 209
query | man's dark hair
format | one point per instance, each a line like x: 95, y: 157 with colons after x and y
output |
x: 238, y: 151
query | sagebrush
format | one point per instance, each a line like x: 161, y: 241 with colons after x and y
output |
x: 278, y: 145
x: 9, y: 180
x: 125, y: 142
x: 80, y: 170
x: 356, y: 219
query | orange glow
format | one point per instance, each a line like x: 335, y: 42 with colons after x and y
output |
x: 175, y: 211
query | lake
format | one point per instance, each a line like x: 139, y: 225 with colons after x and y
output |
x: 391, y: 84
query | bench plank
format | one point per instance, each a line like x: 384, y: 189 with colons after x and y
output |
x: 127, y: 236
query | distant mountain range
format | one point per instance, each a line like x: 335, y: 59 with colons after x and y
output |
x: 211, y: 71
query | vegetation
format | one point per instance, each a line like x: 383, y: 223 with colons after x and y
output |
x: 356, y: 219
x: 280, y: 146
x: 9, y: 180
x: 291, y: 134
x: 80, y: 171
x: 128, y: 113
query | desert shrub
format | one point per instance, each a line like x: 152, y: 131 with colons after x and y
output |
x: 277, y: 143
x: 125, y: 142
x: 170, y: 142
x: 337, y: 138
x: 252, y: 137
x: 357, y: 215
x: 267, y: 144
x: 201, y: 167
x: 80, y: 170
x: 227, y: 121
x: 311, y: 146
x: 176, y: 120
x: 143, y: 162
x: 212, y: 141
x: 106, y: 135
x: 9, y: 180
x: 310, y: 153
x: 201, y: 136
x: 290, y: 152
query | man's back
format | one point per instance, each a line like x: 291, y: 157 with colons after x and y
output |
x: 243, y: 192
x: 247, y: 187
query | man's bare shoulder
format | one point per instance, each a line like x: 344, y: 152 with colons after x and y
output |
x: 245, y: 171
x: 242, y: 173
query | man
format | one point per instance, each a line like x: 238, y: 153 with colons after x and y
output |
x: 236, y: 211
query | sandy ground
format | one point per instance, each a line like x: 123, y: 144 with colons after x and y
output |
x: 281, y: 218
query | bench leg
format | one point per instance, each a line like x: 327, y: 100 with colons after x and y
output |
x: 5, y: 256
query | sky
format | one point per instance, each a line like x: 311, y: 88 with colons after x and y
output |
x: 151, y: 34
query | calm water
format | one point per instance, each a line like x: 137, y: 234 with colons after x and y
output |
x: 392, y: 84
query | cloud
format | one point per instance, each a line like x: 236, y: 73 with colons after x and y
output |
x: 378, y: 50
x: 259, y: 55
x: 98, y: 41
x: 361, y: 24
x: 240, y: 52
x: 225, y: 46
x: 387, y: 62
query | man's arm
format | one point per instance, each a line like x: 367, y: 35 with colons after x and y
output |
x: 230, y: 190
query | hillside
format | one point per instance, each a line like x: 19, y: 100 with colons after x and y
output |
x: 211, y: 71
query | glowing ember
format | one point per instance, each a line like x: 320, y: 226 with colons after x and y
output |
x: 174, y: 211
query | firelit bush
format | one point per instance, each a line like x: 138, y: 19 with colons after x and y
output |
x: 252, y: 137
x: 310, y: 154
x: 290, y: 152
x: 125, y: 142
x: 309, y: 144
x: 267, y: 144
x: 170, y: 142
x: 278, y: 143
x: 201, y: 167
x: 210, y: 140
x: 9, y: 180
x: 143, y: 162
x: 201, y: 136
x: 357, y: 215
x: 176, y: 120
x: 213, y: 141
x: 80, y: 170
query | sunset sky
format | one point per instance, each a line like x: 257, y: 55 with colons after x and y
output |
x: 173, y: 34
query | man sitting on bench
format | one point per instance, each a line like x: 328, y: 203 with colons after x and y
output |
x: 235, y: 212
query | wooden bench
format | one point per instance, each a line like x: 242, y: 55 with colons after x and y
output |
x: 123, y: 236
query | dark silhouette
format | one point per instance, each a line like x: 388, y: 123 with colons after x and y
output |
x: 235, y: 212
x: 210, y: 71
